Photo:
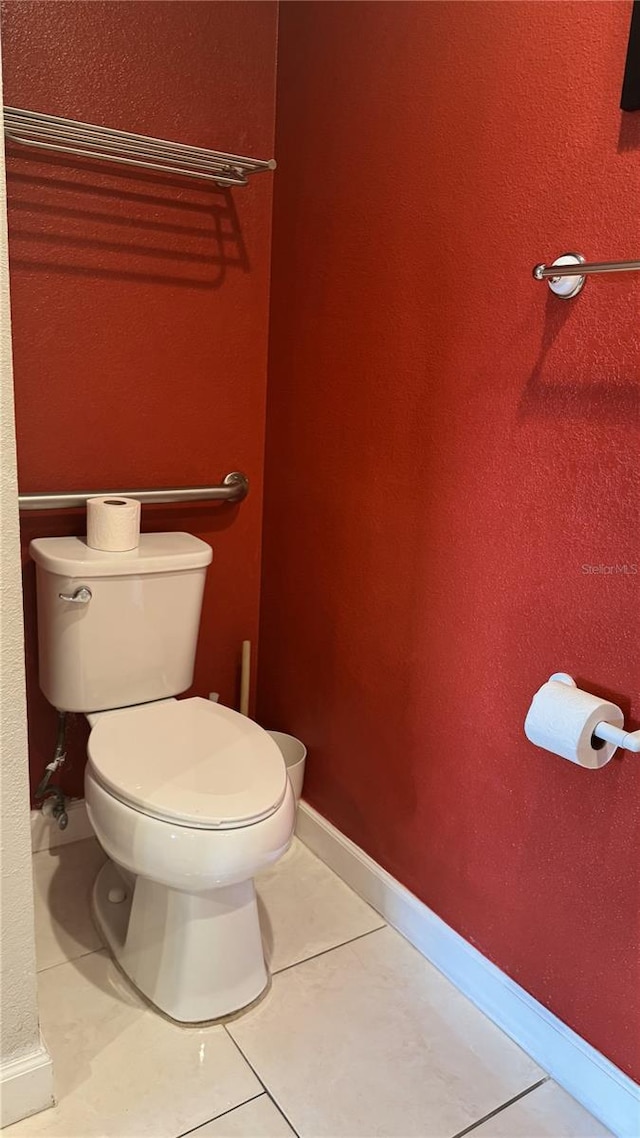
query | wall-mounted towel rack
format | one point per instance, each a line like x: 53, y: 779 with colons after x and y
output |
x: 67, y: 136
x: 234, y: 488
x: 570, y: 281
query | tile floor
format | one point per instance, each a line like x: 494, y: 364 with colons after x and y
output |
x: 358, y: 1037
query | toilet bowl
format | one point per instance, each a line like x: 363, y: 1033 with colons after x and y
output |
x: 189, y: 800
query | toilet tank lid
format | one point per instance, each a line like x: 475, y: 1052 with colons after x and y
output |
x: 156, y: 553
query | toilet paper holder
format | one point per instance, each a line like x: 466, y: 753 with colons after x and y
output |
x: 628, y: 740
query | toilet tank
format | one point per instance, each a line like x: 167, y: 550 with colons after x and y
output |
x: 130, y: 635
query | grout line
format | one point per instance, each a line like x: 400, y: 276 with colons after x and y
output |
x: 224, y: 1112
x: 499, y: 1109
x: 324, y: 951
x: 262, y: 1082
x: 239, y: 1049
x: 279, y: 1109
x: 70, y: 959
x: 286, y: 968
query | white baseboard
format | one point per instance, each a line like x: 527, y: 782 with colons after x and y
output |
x: 26, y: 1086
x: 602, y: 1088
x: 45, y: 832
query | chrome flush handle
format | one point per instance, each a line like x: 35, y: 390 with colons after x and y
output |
x: 80, y: 596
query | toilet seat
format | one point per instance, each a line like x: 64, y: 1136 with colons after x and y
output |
x: 191, y: 762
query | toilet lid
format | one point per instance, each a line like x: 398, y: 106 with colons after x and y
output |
x: 189, y: 761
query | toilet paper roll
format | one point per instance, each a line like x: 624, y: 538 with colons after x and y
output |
x: 562, y: 719
x: 113, y: 523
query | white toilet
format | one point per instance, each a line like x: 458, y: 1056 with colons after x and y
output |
x: 188, y: 798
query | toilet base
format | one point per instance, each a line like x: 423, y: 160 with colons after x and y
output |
x: 195, y: 956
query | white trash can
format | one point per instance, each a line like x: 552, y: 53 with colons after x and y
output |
x: 294, y: 754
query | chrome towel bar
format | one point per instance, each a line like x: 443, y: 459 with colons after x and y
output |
x: 234, y: 488
x: 566, y: 275
x: 101, y: 143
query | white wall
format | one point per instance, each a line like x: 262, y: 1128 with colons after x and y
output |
x: 25, y: 1066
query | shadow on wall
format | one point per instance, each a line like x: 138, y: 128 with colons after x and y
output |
x: 629, y: 135
x: 556, y: 388
x: 100, y: 223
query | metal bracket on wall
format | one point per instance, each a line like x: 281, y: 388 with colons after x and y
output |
x: 102, y: 144
x: 570, y: 281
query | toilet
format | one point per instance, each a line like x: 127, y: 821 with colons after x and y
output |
x: 188, y: 799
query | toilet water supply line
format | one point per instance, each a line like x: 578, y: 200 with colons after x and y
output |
x: 46, y: 789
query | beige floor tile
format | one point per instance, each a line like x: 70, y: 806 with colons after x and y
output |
x: 63, y: 878
x: 122, y: 1070
x: 370, y: 1040
x: 547, y: 1112
x: 305, y: 909
x: 256, y: 1119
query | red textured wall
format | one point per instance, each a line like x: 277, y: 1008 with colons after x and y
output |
x: 140, y: 304
x: 447, y: 446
